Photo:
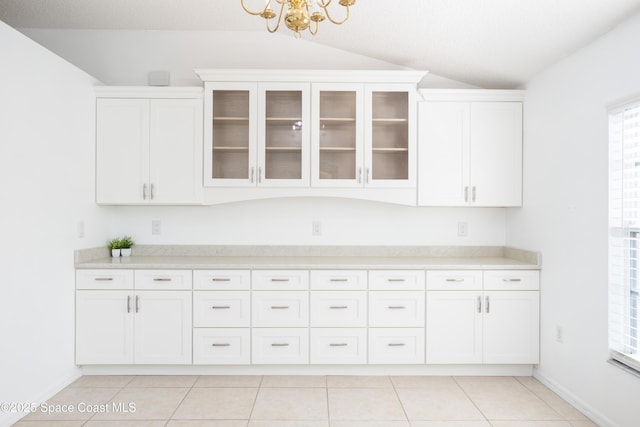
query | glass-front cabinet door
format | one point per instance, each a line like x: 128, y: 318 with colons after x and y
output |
x: 337, y: 135
x: 390, y: 137
x: 283, y: 134
x: 230, y: 134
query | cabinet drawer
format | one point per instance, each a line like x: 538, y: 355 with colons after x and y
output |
x: 221, y: 279
x: 396, y: 280
x: 280, y: 308
x: 338, y: 345
x: 280, y: 346
x: 338, y: 308
x: 221, y: 308
x: 280, y: 279
x: 220, y: 346
x: 454, y: 280
x: 402, y: 308
x: 104, y: 279
x: 339, y: 280
x: 516, y: 280
x: 163, y: 279
x: 396, y: 345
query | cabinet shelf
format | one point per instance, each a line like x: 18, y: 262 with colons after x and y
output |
x: 391, y: 150
x: 284, y: 149
x: 283, y: 119
x: 230, y: 148
x: 230, y: 119
x: 337, y: 120
x: 337, y: 148
x: 390, y: 121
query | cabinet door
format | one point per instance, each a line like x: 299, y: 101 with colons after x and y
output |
x: 495, y: 132
x: 511, y: 327
x: 454, y: 327
x: 390, y: 135
x: 230, y: 134
x: 122, y: 150
x: 104, y: 327
x: 443, y: 153
x: 337, y: 135
x: 163, y: 327
x: 175, y: 154
x: 283, y: 134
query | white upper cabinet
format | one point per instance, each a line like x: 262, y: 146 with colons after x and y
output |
x: 149, y: 146
x: 470, y: 148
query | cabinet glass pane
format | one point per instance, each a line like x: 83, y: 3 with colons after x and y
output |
x: 230, y: 134
x: 390, y: 129
x: 337, y: 135
x: 283, y: 136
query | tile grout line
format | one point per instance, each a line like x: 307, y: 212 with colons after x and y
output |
x: 110, y: 400
x: 404, y: 411
x: 255, y: 399
x: 533, y: 392
x: 182, y: 400
x: 472, y: 401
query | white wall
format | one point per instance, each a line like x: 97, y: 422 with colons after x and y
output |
x: 565, y: 216
x: 46, y: 187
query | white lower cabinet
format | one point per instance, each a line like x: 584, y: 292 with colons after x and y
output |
x: 483, y: 325
x: 396, y: 345
x: 221, y: 346
x: 341, y: 346
x: 280, y: 346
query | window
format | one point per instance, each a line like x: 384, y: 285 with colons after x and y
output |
x: 624, y: 233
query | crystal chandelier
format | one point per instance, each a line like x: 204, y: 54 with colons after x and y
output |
x: 299, y: 13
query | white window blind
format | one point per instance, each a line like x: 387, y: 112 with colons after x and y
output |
x: 624, y: 233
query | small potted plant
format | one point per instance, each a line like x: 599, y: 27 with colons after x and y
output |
x: 125, y: 245
x: 114, y: 245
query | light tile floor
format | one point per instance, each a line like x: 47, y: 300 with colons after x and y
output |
x: 306, y: 401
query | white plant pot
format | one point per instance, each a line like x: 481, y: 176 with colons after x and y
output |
x: 115, y: 253
x: 125, y: 251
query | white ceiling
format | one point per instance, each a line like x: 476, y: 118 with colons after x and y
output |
x: 488, y: 43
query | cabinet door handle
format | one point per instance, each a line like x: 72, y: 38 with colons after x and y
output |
x: 280, y: 344
x: 511, y: 280
x: 151, y: 192
x: 137, y: 303
x: 279, y: 307
x: 259, y: 174
x: 338, y: 307
x: 367, y: 175
x: 253, y: 173
x: 128, y: 303
x: 144, y: 191
x: 103, y: 279
x: 473, y: 193
x: 220, y: 307
x: 359, y: 175
x: 454, y: 280
x: 487, y: 303
x: 338, y: 344
x: 479, y: 304
x: 396, y: 344
x: 466, y: 194
x: 220, y: 279
x: 162, y: 279
x: 396, y: 307
x: 223, y: 344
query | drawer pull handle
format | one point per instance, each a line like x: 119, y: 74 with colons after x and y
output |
x: 276, y: 279
x: 161, y: 279
x: 338, y: 344
x: 396, y: 307
x: 479, y: 304
x: 220, y: 307
x: 487, y: 302
x: 279, y: 307
x: 511, y: 280
x: 103, y: 279
x: 396, y: 344
x: 338, y: 280
x: 137, y: 303
x: 280, y: 344
x: 220, y: 279
x: 128, y: 303
x: 454, y: 280
x: 225, y: 344
x: 396, y: 280
x: 338, y: 307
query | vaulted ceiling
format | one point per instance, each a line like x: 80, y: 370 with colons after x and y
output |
x: 487, y: 43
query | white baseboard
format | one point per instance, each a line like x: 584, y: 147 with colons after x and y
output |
x: 595, y: 415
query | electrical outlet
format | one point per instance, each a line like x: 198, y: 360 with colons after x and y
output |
x: 316, y: 228
x: 559, y: 334
x: 156, y: 227
x: 462, y: 229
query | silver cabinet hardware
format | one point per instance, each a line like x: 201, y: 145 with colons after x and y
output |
x: 280, y: 344
x: 223, y: 344
x: 220, y: 307
x: 162, y: 279
x: 253, y: 173
x: 279, y: 307
x: 488, y: 307
x: 367, y: 175
x: 128, y: 303
x: 479, y: 304
x: 336, y: 279
x: 103, y: 279
x: 220, y: 279
x: 276, y: 279
x: 338, y: 307
x: 259, y: 174
x: 396, y: 307
x: 473, y: 194
x: 457, y: 280
x: 137, y: 303
x: 399, y: 279
x: 466, y: 194
x: 152, y: 191
x: 144, y: 191
x: 359, y: 175
x: 338, y: 344
x: 511, y: 280
x: 396, y: 344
